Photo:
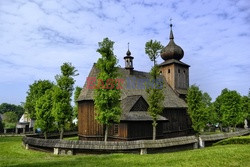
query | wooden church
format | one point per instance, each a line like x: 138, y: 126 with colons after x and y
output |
x: 135, y: 122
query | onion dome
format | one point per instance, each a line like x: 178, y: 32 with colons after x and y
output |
x: 172, y: 51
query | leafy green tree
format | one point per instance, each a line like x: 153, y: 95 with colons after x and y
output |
x: 10, y: 119
x: 62, y: 109
x: 212, y: 117
x: 44, y: 118
x: 206, y: 99
x: 76, y: 95
x: 245, y: 101
x: 107, y: 95
x: 229, y: 108
x: 155, y: 92
x: 152, y: 49
x: 18, y: 109
x: 197, y: 108
x: 36, y: 90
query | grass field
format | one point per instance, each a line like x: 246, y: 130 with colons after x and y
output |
x: 13, y: 154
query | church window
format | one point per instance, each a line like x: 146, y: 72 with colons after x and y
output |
x: 184, y: 71
x: 116, y: 129
x: 179, y: 70
x: 168, y: 70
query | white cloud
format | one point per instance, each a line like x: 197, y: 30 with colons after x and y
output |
x: 38, y: 36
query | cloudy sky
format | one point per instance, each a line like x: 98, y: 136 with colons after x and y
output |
x: 37, y: 36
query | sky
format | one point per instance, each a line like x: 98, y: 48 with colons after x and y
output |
x: 38, y: 36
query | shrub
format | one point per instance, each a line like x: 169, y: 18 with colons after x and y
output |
x: 234, y: 140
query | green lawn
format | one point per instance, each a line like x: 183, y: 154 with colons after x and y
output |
x: 13, y: 154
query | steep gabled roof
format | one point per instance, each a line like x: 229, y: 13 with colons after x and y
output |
x: 128, y: 114
x: 134, y: 85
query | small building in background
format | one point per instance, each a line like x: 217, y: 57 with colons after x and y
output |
x: 25, y: 124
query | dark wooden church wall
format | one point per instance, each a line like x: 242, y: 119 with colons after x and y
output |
x: 179, y: 122
x: 87, y: 124
x: 143, y: 130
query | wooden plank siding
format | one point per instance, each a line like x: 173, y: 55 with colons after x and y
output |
x: 179, y: 122
x: 90, y: 129
x: 143, y: 130
x: 87, y: 124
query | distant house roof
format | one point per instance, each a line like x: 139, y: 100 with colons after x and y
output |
x: 25, y: 118
x: 133, y: 86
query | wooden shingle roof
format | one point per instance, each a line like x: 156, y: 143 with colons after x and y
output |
x: 133, y: 86
x: 128, y: 114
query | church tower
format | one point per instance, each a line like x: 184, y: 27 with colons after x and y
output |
x: 129, y: 61
x: 175, y: 71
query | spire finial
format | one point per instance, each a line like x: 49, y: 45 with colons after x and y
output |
x: 171, y: 36
x: 128, y: 45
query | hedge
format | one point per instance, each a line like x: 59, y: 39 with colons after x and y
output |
x: 234, y: 140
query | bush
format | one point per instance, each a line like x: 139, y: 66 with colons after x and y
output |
x: 234, y: 140
x: 8, y: 125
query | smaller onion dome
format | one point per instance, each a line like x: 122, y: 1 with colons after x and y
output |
x: 128, y: 53
x: 172, y: 51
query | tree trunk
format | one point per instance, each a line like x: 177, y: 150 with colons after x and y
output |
x: 106, y: 133
x: 154, y: 132
x: 61, y: 133
x: 220, y: 126
x: 234, y: 129
x: 45, y: 135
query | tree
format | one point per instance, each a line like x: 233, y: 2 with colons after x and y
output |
x: 245, y: 102
x: 197, y: 108
x: 152, y: 49
x: 206, y: 99
x: 212, y: 117
x: 36, y: 90
x: 44, y: 118
x: 62, y: 109
x: 107, y: 94
x: 76, y: 95
x: 229, y: 108
x: 155, y: 92
x: 18, y: 109
x: 10, y: 119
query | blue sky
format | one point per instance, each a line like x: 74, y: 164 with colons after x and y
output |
x: 37, y: 36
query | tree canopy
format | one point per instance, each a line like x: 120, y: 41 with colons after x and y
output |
x: 152, y: 49
x: 44, y: 118
x: 17, y: 109
x: 62, y: 109
x: 10, y: 119
x: 76, y: 95
x: 154, y: 91
x: 107, y: 95
x: 229, y: 108
x: 36, y: 90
